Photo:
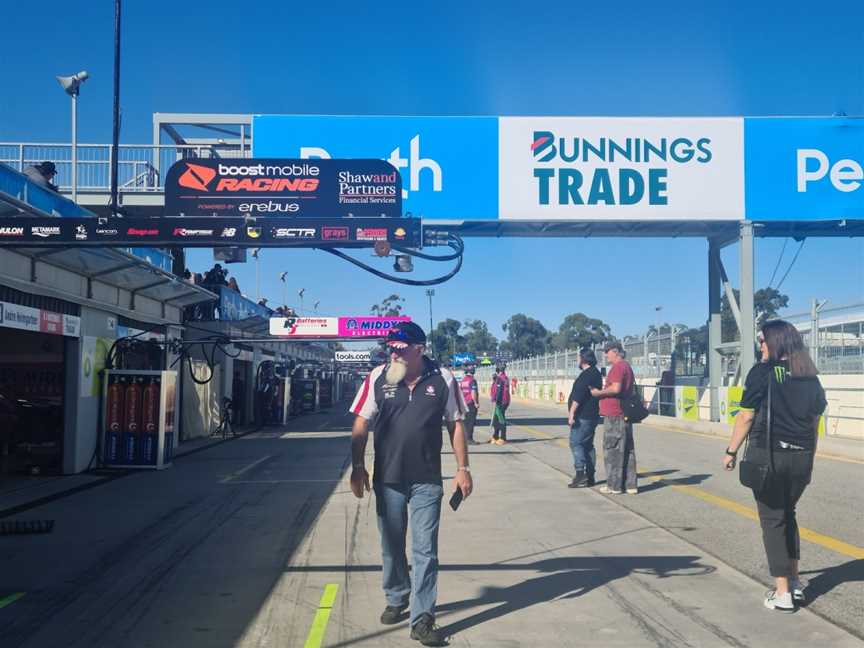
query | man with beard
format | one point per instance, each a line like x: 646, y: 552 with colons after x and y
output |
x: 409, y: 397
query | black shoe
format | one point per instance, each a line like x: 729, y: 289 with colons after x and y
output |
x: 591, y: 481
x: 393, y: 614
x: 579, y: 481
x: 427, y: 633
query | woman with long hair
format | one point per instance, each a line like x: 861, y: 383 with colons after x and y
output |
x: 785, y: 382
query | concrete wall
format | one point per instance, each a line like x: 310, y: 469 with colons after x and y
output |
x: 840, y: 420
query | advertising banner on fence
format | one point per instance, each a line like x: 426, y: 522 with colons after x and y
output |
x: 283, y: 187
x: 368, y: 326
x: 804, y: 169
x: 569, y: 168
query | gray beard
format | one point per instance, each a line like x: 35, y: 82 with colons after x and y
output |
x: 395, y: 372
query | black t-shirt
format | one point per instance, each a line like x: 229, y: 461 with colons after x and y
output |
x: 589, y: 407
x: 796, y: 404
x: 408, y: 436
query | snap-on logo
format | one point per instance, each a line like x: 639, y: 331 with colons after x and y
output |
x: 196, y: 177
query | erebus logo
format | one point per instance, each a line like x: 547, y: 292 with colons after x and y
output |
x: 294, y: 232
x: 196, y: 177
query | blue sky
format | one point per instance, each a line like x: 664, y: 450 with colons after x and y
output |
x: 463, y: 58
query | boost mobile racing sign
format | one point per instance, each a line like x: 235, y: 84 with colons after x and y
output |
x: 234, y: 187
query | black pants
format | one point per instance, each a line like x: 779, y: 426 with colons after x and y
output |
x: 776, y: 506
x: 470, y: 420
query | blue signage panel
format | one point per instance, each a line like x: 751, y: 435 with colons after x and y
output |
x: 234, y: 307
x: 804, y: 169
x: 449, y: 165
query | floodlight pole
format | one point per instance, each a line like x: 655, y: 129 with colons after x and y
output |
x: 75, y: 146
x: 115, y: 136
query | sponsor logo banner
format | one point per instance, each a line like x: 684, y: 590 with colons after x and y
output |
x: 294, y: 232
x: 142, y: 231
x: 368, y: 326
x: 11, y: 231
x: 560, y: 168
x: 371, y: 233
x: 26, y: 318
x: 353, y: 356
x: 449, y: 165
x: 45, y: 232
x: 334, y: 233
x: 804, y: 169
x: 283, y: 187
x: 315, y: 327
x: 186, y: 231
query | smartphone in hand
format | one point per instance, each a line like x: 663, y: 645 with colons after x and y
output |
x: 456, y: 499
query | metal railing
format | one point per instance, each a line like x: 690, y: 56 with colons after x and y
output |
x: 140, y: 168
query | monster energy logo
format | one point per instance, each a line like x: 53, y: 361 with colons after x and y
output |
x: 780, y: 374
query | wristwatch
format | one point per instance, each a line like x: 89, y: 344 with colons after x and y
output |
x: 465, y: 468
x: 730, y: 453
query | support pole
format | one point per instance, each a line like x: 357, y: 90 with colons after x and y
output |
x: 75, y: 147
x: 747, y: 354
x: 715, y: 360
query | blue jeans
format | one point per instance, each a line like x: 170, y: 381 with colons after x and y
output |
x: 582, y: 445
x: 392, y: 504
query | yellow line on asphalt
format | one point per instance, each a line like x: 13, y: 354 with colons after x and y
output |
x: 704, y: 435
x: 829, y: 542
x: 322, y: 617
x: 9, y: 600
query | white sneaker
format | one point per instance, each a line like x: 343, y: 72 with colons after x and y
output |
x: 783, y: 603
x: 609, y: 491
x: 632, y: 491
x: 797, y: 586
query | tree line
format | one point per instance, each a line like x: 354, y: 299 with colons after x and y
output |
x: 526, y: 336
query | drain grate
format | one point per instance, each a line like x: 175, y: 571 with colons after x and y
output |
x: 16, y: 527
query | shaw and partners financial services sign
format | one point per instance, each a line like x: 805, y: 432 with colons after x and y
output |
x: 596, y: 168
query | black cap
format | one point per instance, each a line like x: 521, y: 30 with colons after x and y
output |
x: 614, y: 345
x: 48, y: 167
x: 407, y: 333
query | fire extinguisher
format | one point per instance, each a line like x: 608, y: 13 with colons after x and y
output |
x: 132, y: 409
x: 114, y: 406
x: 150, y: 415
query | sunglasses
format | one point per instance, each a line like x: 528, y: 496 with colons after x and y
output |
x: 760, y: 340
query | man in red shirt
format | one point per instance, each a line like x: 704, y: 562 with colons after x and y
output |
x: 619, y: 451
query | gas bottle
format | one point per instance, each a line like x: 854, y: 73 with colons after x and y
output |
x: 150, y: 414
x: 132, y: 407
x: 114, y: 406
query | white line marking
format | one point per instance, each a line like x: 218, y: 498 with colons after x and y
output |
x: 284, y: 481
x: 234, y: 475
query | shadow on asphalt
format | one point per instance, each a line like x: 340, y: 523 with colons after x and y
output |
x: 558, y: 578
x: 827, y: 579
x: 691, y: 480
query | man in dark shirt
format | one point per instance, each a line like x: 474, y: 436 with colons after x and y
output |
x: 583, y: 414
x: 409, y: 398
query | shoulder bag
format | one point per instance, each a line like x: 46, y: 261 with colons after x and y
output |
x: 753, y: 473
x: 632, y: 405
